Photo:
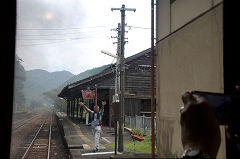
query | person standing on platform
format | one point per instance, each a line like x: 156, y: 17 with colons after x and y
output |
x: 96, y: 117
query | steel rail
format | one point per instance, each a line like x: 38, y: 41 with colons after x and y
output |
x: 23, y: 123
x: 33, y: 140
x: 49, y: 139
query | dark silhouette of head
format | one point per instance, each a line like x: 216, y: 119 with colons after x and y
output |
x: 96, y: 109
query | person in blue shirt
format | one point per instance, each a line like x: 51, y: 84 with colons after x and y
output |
x: 96, y: 122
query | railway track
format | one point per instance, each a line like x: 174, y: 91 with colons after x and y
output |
x: 37, y: 145
x: 21, y: 123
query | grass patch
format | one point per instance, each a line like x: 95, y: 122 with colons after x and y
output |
x: 137, y: 131
x: 140, y: 146
x: 111, y: 144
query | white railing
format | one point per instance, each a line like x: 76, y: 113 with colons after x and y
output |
x: 142, y: 123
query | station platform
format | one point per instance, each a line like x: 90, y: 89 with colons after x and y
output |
x: 79, y: 140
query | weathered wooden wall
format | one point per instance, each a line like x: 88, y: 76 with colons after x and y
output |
x: 137, y: 83
x: 138, y: 76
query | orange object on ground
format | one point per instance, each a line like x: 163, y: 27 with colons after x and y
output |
x: 139, y: 138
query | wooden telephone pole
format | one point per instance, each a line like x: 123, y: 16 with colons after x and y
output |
x: 122, y: 74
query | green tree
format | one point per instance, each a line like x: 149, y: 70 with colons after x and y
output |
x: 19, y: 78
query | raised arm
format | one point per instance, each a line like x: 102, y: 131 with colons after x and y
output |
x: 103, y: 104
x: 83, y: 105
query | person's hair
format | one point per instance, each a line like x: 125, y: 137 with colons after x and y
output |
x: 96, y: 106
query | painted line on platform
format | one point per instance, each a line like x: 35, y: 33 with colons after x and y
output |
x: 97, y: 153
x: 106, y: 140
x: 79, y: 132
x: 85, y: 139
x: 85, y: 146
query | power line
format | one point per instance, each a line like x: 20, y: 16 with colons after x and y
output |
x: 137, y: 27
x: 63, y: 28
x: 54, y: 42
x: 57, y: 39
x: 63, y: 33
x: 44, y: 43
x: 67, y: 38
x: 42, y: 39
x: 73, y: 33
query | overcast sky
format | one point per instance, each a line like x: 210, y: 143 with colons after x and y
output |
x: 57, y: 35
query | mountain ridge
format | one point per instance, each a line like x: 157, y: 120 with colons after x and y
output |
x: 39, y: 81
x: 83, y: 75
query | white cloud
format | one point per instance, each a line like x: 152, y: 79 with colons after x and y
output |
x: 81, y: 49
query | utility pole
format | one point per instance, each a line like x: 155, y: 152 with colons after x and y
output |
x: 122, y: 74
x: 152, y: 79
x: 117, y: 76
x: 117, y: 81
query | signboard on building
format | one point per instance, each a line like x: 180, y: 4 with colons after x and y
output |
x: 88, y: 94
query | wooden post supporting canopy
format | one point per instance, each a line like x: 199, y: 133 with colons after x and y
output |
x: 77, y: 108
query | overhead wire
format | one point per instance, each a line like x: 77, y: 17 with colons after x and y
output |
x: 43, y: 43
x: 54, y: 42
x: 58, y: 34
x: 90, y: 27
x: 67, y: 39
x: 71, y: 32
x: 59, y: 40
x: 38, y: 38
x: 137, y: 27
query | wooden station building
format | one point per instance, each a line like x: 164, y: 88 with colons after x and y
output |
x: 137, y: 88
